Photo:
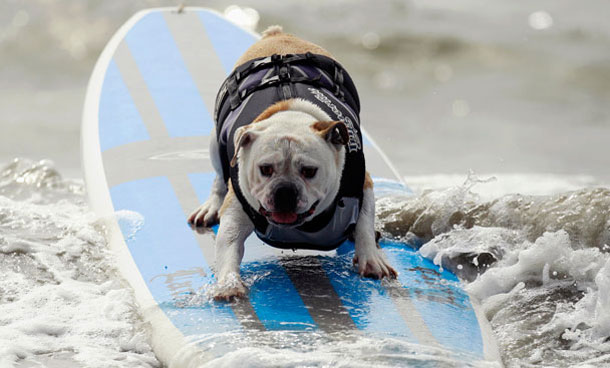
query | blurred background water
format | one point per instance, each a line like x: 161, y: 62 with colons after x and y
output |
x: 516, y: 89
x: 492, y: 86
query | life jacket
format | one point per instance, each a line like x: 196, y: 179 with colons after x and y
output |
x: 260, y: 83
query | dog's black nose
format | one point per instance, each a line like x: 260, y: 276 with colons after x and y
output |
x: 285, y: 198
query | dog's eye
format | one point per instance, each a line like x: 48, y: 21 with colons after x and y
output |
x: 266, y: 170
x: 309, y: 172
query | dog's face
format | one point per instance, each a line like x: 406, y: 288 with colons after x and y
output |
x: 290, y: 165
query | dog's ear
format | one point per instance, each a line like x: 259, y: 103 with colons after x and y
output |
x: 334, y: 132
x: 243, y: 138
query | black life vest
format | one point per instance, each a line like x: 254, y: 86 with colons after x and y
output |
x: 260, y: 83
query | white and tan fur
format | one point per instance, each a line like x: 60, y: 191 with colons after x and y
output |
x: 289, y: 134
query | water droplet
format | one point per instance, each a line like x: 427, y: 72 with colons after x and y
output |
x: 242, y: 16
x: 21, y: 19
x: 370, y: 40
x: 460, y: 108
x: 540, y: 20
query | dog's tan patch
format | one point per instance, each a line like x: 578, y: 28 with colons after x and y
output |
x: 324, y: 128
x: 282, y: 44
x: 368, y: 182
x: 273, y: 31
x: 227, y: 201
x: 243, y: 139
x: 273, y: 109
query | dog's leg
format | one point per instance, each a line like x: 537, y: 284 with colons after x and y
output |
x: 369, y: 258
x: 235, y: 227
x: 207, y: 214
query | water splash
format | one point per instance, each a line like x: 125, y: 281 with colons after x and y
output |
x: 60, y: 296
x: 23, y: 178
x: 539, y: 264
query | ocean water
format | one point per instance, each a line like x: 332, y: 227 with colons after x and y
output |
x: 540, y: 264
x: 496, y: 113
x: 60, y: 296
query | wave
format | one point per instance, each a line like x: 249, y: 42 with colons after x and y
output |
x: 539, y: 264
x: 61, y: 300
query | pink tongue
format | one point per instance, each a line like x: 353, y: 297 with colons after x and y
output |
x: 284, y: 217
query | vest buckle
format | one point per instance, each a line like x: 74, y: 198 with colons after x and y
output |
x: 284, y: 73
x: 233, y: 89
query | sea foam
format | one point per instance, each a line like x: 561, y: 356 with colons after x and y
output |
x: 61, y: 300
x: 539, y: 264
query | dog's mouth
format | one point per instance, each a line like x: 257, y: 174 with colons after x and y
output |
x: 287, y: 218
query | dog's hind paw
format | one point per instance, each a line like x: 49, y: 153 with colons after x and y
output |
x: 206, y: 215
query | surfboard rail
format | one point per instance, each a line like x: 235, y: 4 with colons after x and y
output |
x: 168, y: 342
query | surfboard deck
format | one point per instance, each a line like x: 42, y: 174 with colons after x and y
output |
x: 146, y: 125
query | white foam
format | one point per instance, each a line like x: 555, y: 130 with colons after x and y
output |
x: 552, y: 252
x: 504, y: 183
x: 59, y: 293
x: 130, y: 221
x: 547, y: 292
x: 477, y: 240
x: 284, y: 349
x: 601, y: 316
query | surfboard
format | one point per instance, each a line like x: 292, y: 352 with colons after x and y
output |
x: 146, y: 125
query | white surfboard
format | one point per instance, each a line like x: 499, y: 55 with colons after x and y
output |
x: 146, y: 125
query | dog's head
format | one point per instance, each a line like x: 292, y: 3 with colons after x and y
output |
x: 290, y: 164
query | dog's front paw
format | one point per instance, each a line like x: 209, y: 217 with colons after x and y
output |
x: 373, y: 264
x: 207, y: 214
x: 230, y: 289
x: 227, y: 294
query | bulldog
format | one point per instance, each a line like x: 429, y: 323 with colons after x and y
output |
x: 288, y: 159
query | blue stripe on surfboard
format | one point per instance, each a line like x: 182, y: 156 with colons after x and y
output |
x: 155, y: 200
x: 366, y: 300
x: 169, y: 82
x: 366, y: 141
x: 229, y: 41
x: 119, y: 120
x: 277, y: 303
x: 208, y: 318
x: 272, y: 295
x: 383, y: 186
x: 202, y: 184
x: 443, y: 305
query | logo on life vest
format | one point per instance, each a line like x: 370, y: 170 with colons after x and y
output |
x: 354, y: 142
